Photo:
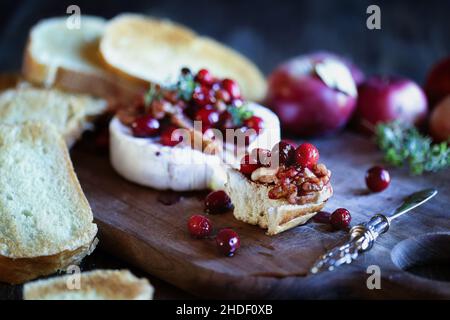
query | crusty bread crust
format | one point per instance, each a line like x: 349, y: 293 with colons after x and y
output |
x: 20, y: 270
x: 252, y: 205
x: 104, y: 284
x: 21, y: 263
x: 36, y: 104
x: 151, y: 50
x: 46, y: 62
x: 102, y: 84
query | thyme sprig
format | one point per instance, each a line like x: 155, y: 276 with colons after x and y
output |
x: 405, y: 144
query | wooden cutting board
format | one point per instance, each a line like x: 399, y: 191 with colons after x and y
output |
x: 138, y: 225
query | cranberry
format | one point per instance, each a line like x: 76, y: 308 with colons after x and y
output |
x: 223, y: 95
x: 340, y: 218
x: 306, y: 155
x: 248, y: 165
x: 202, y: 97
x: 322, y: 217
x: 145, y: 126
x: 217, y: 202
x: 228, y: 241
x: 204, y: 77
x: 262, y: 156
x: 255, y: 123
x: 208, y: 117
x: 199, y: 226
x: 169, y: 138
x: 377, y: 179
x: 232, y: 88
x: 226, y: 120
x: 284, y: 152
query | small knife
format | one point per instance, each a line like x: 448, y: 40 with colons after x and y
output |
x: 363, y: 236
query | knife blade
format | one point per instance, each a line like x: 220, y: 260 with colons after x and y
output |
x: 363, y: 236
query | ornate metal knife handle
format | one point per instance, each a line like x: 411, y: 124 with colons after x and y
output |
x: 363, y: 236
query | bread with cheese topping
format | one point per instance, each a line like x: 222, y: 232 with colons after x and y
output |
x: 252, y: 204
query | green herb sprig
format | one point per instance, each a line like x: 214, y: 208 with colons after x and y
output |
x: 239, y: 114
x: 404, y: 144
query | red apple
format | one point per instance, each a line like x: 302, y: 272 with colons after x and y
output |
x: 357, y: 74
x: 440, y: 120
x: 388, y: 98
x: 312, y: 94
x: 437, y: 85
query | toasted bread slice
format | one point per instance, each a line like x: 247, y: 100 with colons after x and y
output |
x: 252, y: 204
x: 45, y: 219
x: 58, y: 56
x: 69, y: 113
x: 93, y: 285
x: 155, y: 50
x: 9, y: 80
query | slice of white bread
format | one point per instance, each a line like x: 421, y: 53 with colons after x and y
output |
x: 252, y: 204
x: 69, y: 113
x: 46, y: 223
x: 93, y: 285
x: 58, y: 56
x: 155, y: 50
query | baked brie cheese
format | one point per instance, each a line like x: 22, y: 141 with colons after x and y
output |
x: 143, y: 142
x: 280, y: 198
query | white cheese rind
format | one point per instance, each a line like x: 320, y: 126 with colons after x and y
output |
x: 148, y: 163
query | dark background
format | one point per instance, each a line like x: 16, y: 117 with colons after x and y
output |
x: 414, y: 34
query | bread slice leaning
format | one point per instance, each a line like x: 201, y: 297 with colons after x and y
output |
x: 252, y: 204
x: 149, y: 49
x: 70, y: 113
x: 46, y: 223
x: 64, y: 57
x: 93, y: 285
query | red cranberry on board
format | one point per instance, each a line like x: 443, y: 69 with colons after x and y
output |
x: 199, y: 226
x: 145, y: 126
x: 217, y: 202
x: 284, y: 152
x: 306, y: 155
x: 248, y: 165
x: 340, y: 218
x: 170, y: 138
x: 232, y: 88
x: 377, y: 179
x: 255, y: 123
x: 228, y: 241
x: 322, y: 217
x: 204, y: 77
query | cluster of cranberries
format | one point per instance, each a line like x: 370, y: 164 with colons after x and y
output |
x: 305, y: 155
x: 340, y: 219
x: 199, y: 226
x: 209, y: 103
